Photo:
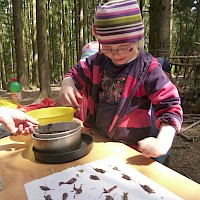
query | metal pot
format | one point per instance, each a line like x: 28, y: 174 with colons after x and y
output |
x: 57, y: 129
x: 59, y: 144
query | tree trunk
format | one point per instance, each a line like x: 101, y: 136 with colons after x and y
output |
x: 159, y: 33
x: 3, y: 72
x: 62, y: 35
x: 76, y: 28
x: 85, y: 25
x: 51, y: 42
x: 27, y: 37
x: 66, y: 38
x: 44, y: 76
x: 141, y: 7
x: 12, y: 57
x: 80, y: 28
x: 197, y: 35
x: 35, y: 79
x: 197, y: 42
x: 22, y: 75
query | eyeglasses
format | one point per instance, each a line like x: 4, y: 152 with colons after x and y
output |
x: 119, y: 51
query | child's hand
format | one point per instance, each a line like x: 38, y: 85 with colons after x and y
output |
x: 152, y: 147
x: 156, y: 147
x: 69, y: 94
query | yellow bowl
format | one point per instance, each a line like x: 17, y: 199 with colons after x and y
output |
x: 52, y: 114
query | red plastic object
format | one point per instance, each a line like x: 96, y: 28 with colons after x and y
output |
x: 45, y: 103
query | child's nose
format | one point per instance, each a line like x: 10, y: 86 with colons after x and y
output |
x: 115, y: 52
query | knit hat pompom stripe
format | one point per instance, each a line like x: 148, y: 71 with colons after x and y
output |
x: 118, y: 22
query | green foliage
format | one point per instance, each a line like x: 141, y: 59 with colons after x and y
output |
x: 61, y: 24
x: 184, y: 24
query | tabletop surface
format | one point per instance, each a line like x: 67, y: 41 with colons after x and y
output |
x: 18, y: 166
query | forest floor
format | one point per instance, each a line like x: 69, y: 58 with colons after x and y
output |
x: 185, y: 157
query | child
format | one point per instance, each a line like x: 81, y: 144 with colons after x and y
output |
x: 89, y: 49
x: 93, y: 47
x: 114, y: 88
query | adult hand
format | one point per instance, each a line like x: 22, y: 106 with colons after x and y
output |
x: 69, y: 94
x: 16, y: 121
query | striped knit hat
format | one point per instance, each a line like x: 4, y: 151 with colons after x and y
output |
x: 118, y: 21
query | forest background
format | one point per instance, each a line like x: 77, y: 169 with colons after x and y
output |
x: 41, y: 39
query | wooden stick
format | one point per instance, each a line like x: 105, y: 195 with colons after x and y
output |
x: 186, y: 137
x: 191, y: 115
x: 190, y: 126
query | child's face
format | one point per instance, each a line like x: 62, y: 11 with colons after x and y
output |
x: 120, y: 54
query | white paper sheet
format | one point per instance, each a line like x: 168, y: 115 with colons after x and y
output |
x: 113, y: 183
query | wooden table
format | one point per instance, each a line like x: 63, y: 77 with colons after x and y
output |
x: 18, y: 166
